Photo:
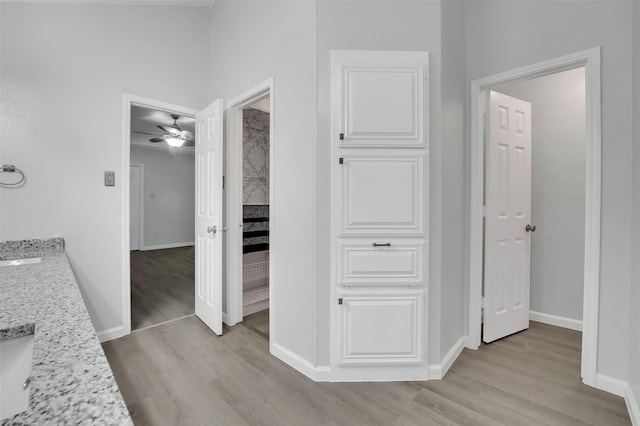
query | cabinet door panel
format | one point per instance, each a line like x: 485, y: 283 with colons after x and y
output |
x: 399, y: 263
x: 381, y: 329
x: 382, y: 194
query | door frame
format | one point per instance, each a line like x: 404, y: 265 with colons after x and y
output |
x: 141, y: 206
x: 233, y: 196
x: 127, y: 101
x: 590, y: 59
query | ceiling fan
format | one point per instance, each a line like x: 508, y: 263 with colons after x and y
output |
x: 174, y: 136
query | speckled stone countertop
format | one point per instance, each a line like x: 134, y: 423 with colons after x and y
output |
x: 72, y: 382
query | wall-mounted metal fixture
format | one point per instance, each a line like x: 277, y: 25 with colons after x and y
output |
x: 10, y: 168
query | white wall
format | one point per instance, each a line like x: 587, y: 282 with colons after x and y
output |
x: 452, y: 202
x: 251, y: 41
x: 63, y: 70
x: 381, y: 25
x: 634, y: 323
x: 557, y: 189
x: 502, y: 35
x: 169, y: 196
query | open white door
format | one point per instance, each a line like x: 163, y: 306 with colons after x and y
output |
x: 208, y: 261
x: 507, y: 242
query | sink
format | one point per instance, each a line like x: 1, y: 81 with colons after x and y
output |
x: 16, y: 262
x: 15, y: 369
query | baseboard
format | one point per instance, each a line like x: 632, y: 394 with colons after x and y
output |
x: 569, y: 323
x: 437, y: 371
x: 167, y: 246
x: 633, y: 405
x: 111, y: 333
x: 611, y: 385
x: 295, y: 361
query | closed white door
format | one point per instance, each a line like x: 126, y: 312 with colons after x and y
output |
x: 208, y: 221
x: 135, y: 192
x: 507, y: 246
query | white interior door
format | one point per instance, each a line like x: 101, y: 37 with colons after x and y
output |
x: 135, y: 189
x: 507, y: 246
x: 208, y: 261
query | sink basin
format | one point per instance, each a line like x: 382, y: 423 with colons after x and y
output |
x: 15, y: 369
x: 16, y: 262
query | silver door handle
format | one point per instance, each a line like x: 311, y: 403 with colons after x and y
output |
x: 224, y: 229
x: 212, y: 229
x: 530, y: 228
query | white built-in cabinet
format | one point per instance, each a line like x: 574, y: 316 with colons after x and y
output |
x: 379, y: 205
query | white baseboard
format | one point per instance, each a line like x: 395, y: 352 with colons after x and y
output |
x: 167, y: 246
x: 112, y: 333
x: 611, y: 385
x: 295, y: 361
x: 633, y: 405
x: 437, y: 371
x: 570, y: 323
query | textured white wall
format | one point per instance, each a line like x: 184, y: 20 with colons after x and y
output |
x: 251, y: 41
x: 169, y: 196
x: 63, y: 70
x: 634, y: 323
x: 502, y: 35
x: 558, y: 189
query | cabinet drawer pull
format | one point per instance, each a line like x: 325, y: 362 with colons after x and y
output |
x: 382, y: 244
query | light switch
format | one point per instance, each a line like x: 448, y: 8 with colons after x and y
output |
x: 109, y: 178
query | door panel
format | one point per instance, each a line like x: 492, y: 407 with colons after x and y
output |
x: 382, y: 328
x: 508, y: 211
x: 382, y: 193
x: 362, y: 263
x: 208, y: 222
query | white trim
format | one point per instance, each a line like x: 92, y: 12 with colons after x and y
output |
x: 111, y: 333
x: 610, y: 384
x: 140, y: 205
x: 590, y: 59
x: 255, y: 307
x: 295, y: 361
x: 633, y: 405
x: 437, y: 371
x: 564, y: 322
x: 235, y: 309
x: 167, y: 246
x: 125, y: 278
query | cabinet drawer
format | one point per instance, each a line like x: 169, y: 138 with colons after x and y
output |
x: 381, y: 329
x: 388, y: 262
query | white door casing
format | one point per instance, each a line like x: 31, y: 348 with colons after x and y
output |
x: 209, y: 215
x: 135, y: 206
x: 508, y: 212
x: 379, y: 209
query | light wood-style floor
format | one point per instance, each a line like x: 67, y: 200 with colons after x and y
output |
x: 162, y: 285
x: 180, y: 373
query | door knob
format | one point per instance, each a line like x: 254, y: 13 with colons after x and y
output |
x: 224, y: 229
x: 212, y: 229
x: 530, y: 228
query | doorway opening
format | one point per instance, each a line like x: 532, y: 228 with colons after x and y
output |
x: 249, y: 209
x: 576, y: 191
x: 158, y: 199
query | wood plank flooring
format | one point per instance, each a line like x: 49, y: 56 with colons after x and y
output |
x: 162, y: 285
x: 181, y: 373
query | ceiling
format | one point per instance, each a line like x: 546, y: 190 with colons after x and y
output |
x: 147, y: 120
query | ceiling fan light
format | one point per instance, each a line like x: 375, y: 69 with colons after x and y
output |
x: 175, y: 142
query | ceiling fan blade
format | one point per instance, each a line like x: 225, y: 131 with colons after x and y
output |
x: 160, y: 139
x: 170, y: 130
x: 187, y: 134
x: 146, y: 133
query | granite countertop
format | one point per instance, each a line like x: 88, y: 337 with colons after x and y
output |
x: 72, y: 382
